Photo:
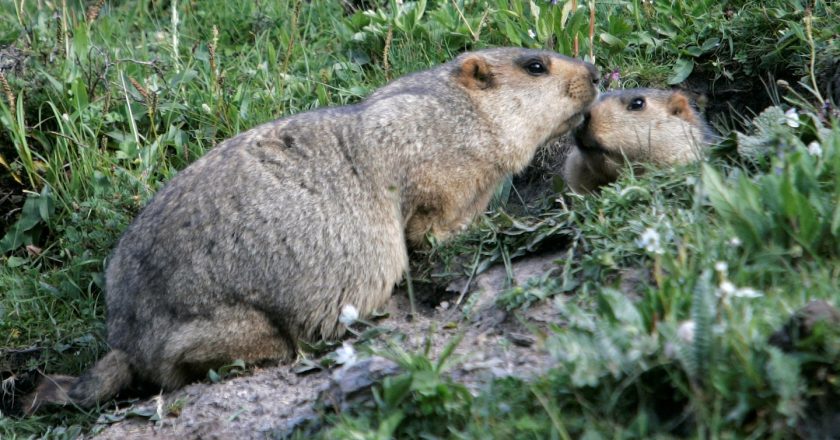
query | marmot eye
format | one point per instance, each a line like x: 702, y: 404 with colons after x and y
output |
x: 636, y: 104
x: 536, y: 68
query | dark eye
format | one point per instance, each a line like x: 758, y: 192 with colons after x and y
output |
x: 636, y: 104
x: 536, y: 68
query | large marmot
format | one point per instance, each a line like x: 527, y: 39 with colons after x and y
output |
x: 262, y: 241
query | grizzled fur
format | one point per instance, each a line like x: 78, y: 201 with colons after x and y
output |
x: 262, y: 241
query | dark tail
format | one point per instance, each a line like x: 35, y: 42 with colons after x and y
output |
x: 102, y: 382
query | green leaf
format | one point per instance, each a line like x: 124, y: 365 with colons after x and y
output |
x: 9, y: 37
x: 46, y: 205
x: 512, y: 34
x: 420, y: 9
x: 693, y: 51
x: 702, y: 314
x: 710, y: 44
x: 16, y: 261
x: 835, y: 223
x: 623, y: 309
x: 682, y: 68
x: 388, y: 426
x: 612, y: 40
x: 783, y: 371
x: 396, y: 388
x: 18, y: 235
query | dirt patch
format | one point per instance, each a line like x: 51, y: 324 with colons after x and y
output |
x: 270, y: 402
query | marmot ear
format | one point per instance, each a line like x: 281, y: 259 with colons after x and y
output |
x: 679, y: 106
x: 474, y: 73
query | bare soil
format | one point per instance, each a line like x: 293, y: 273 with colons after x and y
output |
x: 271, y: 402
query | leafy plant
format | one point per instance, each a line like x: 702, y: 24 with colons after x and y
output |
x: 793, y: 208
x: 420, y: 402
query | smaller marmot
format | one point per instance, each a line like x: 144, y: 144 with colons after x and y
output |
x: 635, y: 126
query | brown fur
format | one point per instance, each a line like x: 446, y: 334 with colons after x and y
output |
x: 666, y: 131
x: 262, y: 241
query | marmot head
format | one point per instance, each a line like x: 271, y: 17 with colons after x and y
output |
x: 635, y: 126
x: 529, y: 96
x: 644, y: 125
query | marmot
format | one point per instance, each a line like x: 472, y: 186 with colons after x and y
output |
x: 262, y: 241
x: 635, y: 126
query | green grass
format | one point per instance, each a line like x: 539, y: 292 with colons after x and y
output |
x: 108, y: 110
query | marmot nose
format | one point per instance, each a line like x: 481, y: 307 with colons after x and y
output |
x: 593, y: 72
x: 586, y: 118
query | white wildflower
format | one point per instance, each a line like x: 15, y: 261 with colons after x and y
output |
x: 531, y: 33
x: 206, y: 108
x: 792, y: 118
x: 346, y: 355
x: 735, y: 242
x: 650, y: 241
x: 747, y: 292
x: 721, y: 267
x: 66, y: 117
x: 349, y: 315
x: 686, y: 331
x: 726, y: 288
x: 814, y: 149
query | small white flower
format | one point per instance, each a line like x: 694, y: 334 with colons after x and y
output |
x: 650, y: 241
x: 727, y: 288
x: 349, y: 315
x: 735, y: 242
x: 792, y: 118
x: 531, y: 33
x: 721, y: 267
x: 66, y: 117
x: 206, y: 108
x: 346, y: 355
x: 747, y: 292
x: 814, y: 149
x: 686, y: 331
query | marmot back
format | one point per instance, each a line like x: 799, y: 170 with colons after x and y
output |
x: 263, y: 241
x: 658, y: 127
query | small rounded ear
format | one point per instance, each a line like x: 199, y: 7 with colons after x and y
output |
x: 679, y: 106
x: 474, y: 73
